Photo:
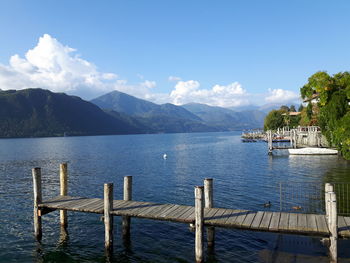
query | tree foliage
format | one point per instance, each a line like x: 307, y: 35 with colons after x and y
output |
x: 274, y: 120
x: 332, y: 109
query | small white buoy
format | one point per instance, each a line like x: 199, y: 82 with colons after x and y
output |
x: 165, y: 156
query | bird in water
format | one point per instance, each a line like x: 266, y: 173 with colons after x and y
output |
x: 298, y: 207
x: 268, y: 204
x: 165, y: 156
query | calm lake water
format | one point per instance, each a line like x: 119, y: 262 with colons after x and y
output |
x: 244, y: 177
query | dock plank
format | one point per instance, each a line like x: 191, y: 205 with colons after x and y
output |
x: 248, y: 219
x: 311, y: 223
x: 255, y: 220
x: 284, y: 222
x: 223, y: 218
x: 275, y: 220
x: 344, y: 229
x: 293, y: 222
x: 321, y: 224
x: 217, y: 215
x: 347, y: 222
x: 302, y: 222
x: 265, y: 222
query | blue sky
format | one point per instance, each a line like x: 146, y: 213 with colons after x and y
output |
x: 225, y: 53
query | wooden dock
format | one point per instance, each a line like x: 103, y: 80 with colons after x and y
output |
x: 219, y: 217
x: 202, y: 214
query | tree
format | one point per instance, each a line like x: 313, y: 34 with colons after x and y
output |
x: 274, y: 120
x: 292, y: 108
x: 301, y: 107
x: 284, y: 108
x: 332, y: 110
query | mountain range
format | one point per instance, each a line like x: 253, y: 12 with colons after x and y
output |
x: 39, y: 112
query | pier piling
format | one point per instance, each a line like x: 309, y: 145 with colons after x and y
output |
x: 209, y: 203
x: 333, y: 227
x: 36, y: 172
x: 108, y: 218
x: 63, y: 192
x: 127, y: 196
x: 199, y: 222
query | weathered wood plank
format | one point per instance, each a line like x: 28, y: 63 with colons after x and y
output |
x: 343, y: 229
x: 232, y: 220
x: 217, y: 215
x: 302, y: 222
x: 152, y: 213
x: 311, y: 223
x: 257, y: 219
x: 164, y: 214
x: 248, y: 219
x: 240, y: 218
x: 284, y: 222
x: 293, y: 222
x: 347, y: 222
x: 173, y: 212
x: 275, y: 220
x: 220, y: 221
x: 265, y: 222
x: 209, y: 213
x: 321, y: 224
x: 188, y: 216
x: 178, y: 212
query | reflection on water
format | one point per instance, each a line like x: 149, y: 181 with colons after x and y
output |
x: 244, y: 177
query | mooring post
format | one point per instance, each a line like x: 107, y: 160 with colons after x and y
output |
x: 269, y: 140
x: 108, y: 218
x: 328, y: 190
x: 209, y: 203
x: 333, y: 228
x: 199, y: 222
x: 36, y: 172
x: 127, y: 196
x: 63, y: 192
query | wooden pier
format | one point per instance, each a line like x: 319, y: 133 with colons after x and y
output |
x: 202, y: 214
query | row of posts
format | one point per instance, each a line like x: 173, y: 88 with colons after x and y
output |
x: 203, y: 199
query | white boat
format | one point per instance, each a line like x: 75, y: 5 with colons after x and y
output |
x: 312, y: 151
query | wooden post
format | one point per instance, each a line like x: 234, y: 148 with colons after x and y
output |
x: 269, y: 140
x: 208, y: 203
x: 36, y: 172
x: 328, y: 190
x: 127, y: 197
x: 199, y: 222
x: 333, y: 228
x: 63, y: 192
x: 108, y: 218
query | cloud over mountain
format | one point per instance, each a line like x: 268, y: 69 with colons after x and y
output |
x: 57, y: 67
x: 281, y: 96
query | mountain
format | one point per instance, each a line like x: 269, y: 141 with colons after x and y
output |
x: 130, y: 105
x: 163, y: 118
x: 38, y: 112
x: 227, y: 119
x: 124, y: 103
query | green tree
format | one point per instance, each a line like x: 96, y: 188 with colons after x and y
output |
x: 292, y: 108
x: 332, y: 109
x: 274, y: 120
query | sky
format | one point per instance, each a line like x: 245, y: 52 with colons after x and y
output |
x: 222, y: 53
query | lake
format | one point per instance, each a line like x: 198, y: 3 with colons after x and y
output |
x: 244, y: 177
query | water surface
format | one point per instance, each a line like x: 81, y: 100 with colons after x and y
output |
x: 244, y: 177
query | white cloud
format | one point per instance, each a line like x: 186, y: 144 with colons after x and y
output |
x: 54, y: 66
x: 225, y: 96
x: 51, y: 65
x: 281, y: 96
x: 174, y: 79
